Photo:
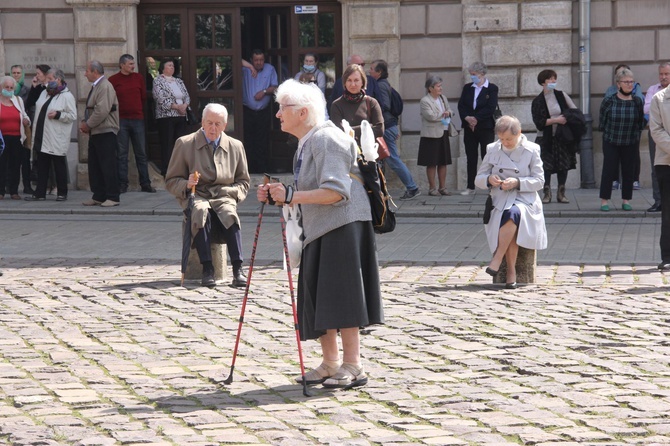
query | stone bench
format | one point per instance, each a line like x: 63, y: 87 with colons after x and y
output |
x: 526, y: 264
x: 219, y: 260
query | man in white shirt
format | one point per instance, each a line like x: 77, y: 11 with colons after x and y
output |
x: 664, y: 81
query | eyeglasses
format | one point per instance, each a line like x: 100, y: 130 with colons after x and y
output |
x: 283, y: 106
x: 627, y: 82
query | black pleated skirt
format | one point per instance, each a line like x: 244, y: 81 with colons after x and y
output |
x: 434, y: 151
x: 338, y: 285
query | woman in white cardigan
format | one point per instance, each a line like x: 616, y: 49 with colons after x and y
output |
x: 512, y: 171
x: 434, y: 149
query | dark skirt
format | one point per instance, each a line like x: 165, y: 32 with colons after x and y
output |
x: 513, y: 213
x: 338, y: 285
x: 434, y: 151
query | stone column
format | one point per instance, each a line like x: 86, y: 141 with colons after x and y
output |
x: 371, y: 29
x: 104, y: 30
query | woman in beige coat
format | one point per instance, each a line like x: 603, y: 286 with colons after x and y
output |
x: 434, y: 150
x: 512, y: 171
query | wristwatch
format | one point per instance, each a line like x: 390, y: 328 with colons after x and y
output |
x: 265, y: 91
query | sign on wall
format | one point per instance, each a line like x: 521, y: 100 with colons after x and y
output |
x: 306, y: 9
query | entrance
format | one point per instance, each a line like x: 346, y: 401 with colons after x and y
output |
x: 208, y: 41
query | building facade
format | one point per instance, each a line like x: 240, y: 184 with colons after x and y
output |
x: 515, y: 38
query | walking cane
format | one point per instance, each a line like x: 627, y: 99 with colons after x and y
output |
x: 246, y: 293
x: 293, y: 305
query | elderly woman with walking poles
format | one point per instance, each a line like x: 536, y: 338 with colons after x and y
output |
x: 512, y: 171
x: 338, y: 286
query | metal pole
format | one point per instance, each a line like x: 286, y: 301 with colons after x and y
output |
x: 586, y: 144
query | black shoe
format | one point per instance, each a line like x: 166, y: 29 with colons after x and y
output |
x: 208, y: 279
x: 491, y: 272
x: 123, y: 189
x: 655, y: 208
x: 61, y: 198
x: 510, y: 286
x: 34, y: 198
x: 664, y: 266
x: 148, y: 188
x: 239, y: 278
x: 28, y: 190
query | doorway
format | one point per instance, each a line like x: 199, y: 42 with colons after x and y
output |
x: 208, y: 41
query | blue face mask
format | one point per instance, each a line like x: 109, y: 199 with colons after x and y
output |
x: 309, y: 68
x: 475, y: 79
x: 7, y: 94
x: 551, y: 85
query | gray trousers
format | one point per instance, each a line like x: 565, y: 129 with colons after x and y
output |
x: 656, y: 193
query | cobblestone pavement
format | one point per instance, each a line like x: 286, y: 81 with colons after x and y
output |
x: 99, y: 345
x: 100, y: 352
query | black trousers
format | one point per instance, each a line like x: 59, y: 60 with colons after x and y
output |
x: 10, y: 165
x: 480, y: 137
x: 256, y: 138
x: 232, y: 235
x: 169, y: 131
x: 615, y: 156
x: 663, y: 177
x: 44, y: 163
x: 103, y: 174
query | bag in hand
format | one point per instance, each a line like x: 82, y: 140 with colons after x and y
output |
x: 190, y: 117
x: 382, y: 149
x: 294, y: 234
x: 383, y: 216
x: 28, y: 142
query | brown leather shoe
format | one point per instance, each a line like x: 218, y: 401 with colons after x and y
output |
x: 16, y: 197
x: 109, y: 203
x: 92, y: 202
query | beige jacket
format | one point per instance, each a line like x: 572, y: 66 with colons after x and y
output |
x: 659, y: 125
x: 103, y: 109
x: 224, y: 177
x: 431, y: 117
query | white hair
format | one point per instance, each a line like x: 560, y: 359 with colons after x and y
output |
x: 217, y: 109
x: 307, y: 96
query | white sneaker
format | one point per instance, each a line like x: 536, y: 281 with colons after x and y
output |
x: 468, y: 192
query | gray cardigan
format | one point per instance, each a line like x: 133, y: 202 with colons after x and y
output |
x: 328, y: 156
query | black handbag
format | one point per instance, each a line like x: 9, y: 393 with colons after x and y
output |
x: 190, y: 116
x: 497, y: 113
x: 488, y: 207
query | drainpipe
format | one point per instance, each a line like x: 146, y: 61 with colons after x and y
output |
x: 586, y: 144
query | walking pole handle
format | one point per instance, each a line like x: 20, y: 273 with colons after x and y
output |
x: 197, y: 177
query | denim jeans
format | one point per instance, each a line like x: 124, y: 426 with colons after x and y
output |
x: 132, y: 130
x: 394, y: 161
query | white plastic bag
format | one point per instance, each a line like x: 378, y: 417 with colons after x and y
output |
x: 368, y: 143
x: 293, y: 234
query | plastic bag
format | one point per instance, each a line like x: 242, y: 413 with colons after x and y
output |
x: 293, y: 234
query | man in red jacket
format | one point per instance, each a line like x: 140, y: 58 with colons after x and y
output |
x: 131, y: 93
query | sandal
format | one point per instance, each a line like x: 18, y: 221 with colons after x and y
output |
x: 433, y: 193
x: 444, y: 191
x: 347, y: 377
x: 318, y: 375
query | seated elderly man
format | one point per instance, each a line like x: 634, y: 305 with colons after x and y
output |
x: 223, y: 182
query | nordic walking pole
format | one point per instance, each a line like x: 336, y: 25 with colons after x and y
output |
x: 246, y: 290
x: 305, y: 391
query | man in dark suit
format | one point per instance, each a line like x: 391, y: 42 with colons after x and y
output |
x: 476, y: 106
